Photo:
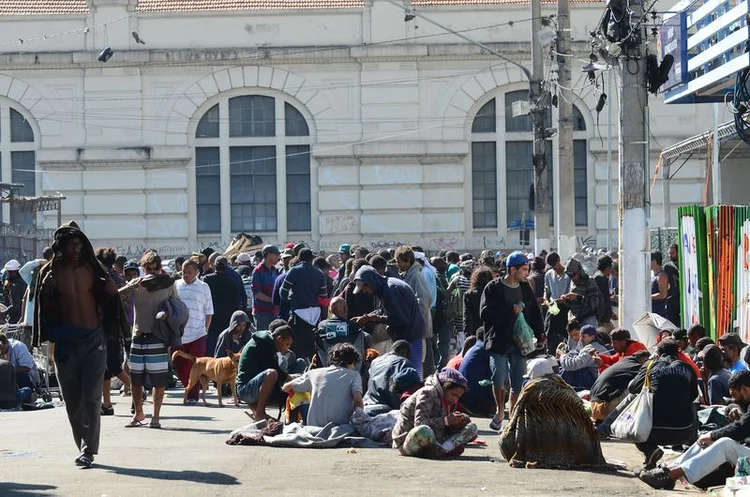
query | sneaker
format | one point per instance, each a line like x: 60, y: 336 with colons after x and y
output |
x: 108, y: 411
x: 658, y: 479
x: 496, y: 423
x: 652, y: 459
x: 192, y: 402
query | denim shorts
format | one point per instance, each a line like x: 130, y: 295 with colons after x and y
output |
x: 248, y: 392
x: 508, y: 366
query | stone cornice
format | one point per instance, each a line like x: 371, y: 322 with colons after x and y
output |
x: 129, y: 164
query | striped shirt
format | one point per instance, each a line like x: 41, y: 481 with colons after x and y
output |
x: 197, y: 297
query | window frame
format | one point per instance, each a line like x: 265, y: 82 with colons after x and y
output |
x: 8, y: 148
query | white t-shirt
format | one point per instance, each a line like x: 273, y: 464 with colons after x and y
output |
x: 197, y: 298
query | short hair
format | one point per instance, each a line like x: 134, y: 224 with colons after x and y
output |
x: 739, y: 379
x: 604, y: 262
x: 150, y: 258
x: 361, y: 252
x: 538, y: 264
x: 48, y: 253
x: 369, y: 256
x: 657, y: 257
x: 284, y: 331
x: 107, y: 256
x: 358, y: 264
x: 120, y: 260
x: 343, y: 354
x: 276, y: 323
x: 403, y: 349
x: 668, y: 346
x: 379, y: 263
x: 713, y: 358
x: 385, y: 254
x: 190, y: 263
x: 243, y: 270
x: 469, y: 343
x: 405, y: 253
x: 573, y: 325
x: 452, y: 257
x: 674, y: 246
x: 620, y: 334
x: 697, y: 329
x: 552, y: 259
x: 3, y: 338
x: 320, y: 263
x: 417, y: 248
x: 305, y: 255
x: 702, y: 343
x: 179, y: 260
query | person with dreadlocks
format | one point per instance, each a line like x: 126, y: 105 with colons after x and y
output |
x: 77, y: 309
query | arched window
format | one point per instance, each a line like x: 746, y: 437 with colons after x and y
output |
x: 250, y: 140
x: 493, y: 130
x: 17, y: 159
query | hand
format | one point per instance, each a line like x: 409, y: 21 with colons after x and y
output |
x: 734, y: 414
x: 541, y: 301
x: 705, y: 440
x: 361, y: 320
x: 457, y: 419
x: 598, y: 360
x: 517, y: 309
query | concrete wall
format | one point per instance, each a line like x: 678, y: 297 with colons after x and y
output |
x: 390, y: 122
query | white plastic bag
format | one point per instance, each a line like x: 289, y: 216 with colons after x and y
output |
x: 635, y: 422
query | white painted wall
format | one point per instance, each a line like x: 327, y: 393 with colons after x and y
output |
x: 389, y: 121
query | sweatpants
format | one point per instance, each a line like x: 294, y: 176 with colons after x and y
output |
x: 183, y: 366
x: 80, y: 373
x: 697, y: 462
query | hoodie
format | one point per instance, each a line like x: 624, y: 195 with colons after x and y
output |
x: 404, y: 317
x: 587, y: 304
x: 225, y: 340
x: 416, y: 279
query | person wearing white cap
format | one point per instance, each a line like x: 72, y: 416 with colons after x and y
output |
x: 13, y: 290
x: 538, y: 367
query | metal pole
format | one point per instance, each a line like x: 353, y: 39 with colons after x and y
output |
x: 716, y: 161
x: 666, y: 194
x: 538, y: 115
x: 565, y: 208
x: 634, y: 244
x: 609, y: 163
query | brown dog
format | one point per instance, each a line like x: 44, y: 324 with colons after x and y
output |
x: 221, y: 370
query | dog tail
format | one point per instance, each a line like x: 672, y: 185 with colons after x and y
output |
x: 185, y: 355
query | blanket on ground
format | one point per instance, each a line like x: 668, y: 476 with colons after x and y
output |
x: 297, y: 435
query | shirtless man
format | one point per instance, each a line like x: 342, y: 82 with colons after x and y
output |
x: 75, y: 307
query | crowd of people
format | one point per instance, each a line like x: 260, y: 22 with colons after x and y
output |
x: 437, y: 339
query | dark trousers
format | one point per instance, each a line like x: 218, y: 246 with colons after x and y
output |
x: 80, y: 372
x: 303, y: 345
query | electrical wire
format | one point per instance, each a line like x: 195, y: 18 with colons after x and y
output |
x: 77, y: 31
x: 683, y: 163
x: 740, y: 101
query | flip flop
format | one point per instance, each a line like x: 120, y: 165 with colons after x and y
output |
x: 155, y: 425
x: 135, y: 423
x: 84, y: 461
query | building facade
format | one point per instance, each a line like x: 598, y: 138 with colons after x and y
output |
x: 324, y: 121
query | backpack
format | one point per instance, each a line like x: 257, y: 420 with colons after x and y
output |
x: 453, y: 304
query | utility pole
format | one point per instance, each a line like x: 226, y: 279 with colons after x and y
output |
x: 565, y: 222
x: 635, y: 299
x: 538, y: 115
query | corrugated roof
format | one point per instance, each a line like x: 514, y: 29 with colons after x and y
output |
x: 207, y: 5
x: 433, y: 3
x: 42, y: 7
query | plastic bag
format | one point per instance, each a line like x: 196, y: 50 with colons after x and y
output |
x: 523, y: 336
x: 635, y: 422
x: 553, y: 309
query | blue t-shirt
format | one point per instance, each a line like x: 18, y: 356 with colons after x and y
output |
x: 475, y: 367
x: 739, y: 366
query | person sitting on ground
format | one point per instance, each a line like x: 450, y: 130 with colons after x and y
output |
x: 335, y: 390
x: 611, y: 387
x: 475, y: 367
x: 427, y: 425
x: 406, y: 383
x: 580, y: 368
x: 573, y: 329
x: 259, y: 374
x: 380, y: 396
x: 712, y: 449
x: 731, y: 345
x: 624, y: 346
x: 236, y: 336
x: 680, y: 354
x: 695, y: 333
x: 338, y: 329
x: 19, y: 357
x: 674, y: 385
x: 717, y: 383
x: 455, y: 361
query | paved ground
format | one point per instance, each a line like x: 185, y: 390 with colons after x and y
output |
x: 189, y: 457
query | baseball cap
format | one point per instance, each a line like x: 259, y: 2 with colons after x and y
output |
x: 680, y: 334
x: 345, y: 248
x: 12, y: 265
x: 244, y: 257
x: 289, y: 245
x: 588, y: 330
x: 287, y: 254
x: 271, y: 249
x: 358, y: 284
x: 221, y: 263
x: 207, y: 251
x: 516, y: 258
x: 536, y: 368
x: 131, y: 266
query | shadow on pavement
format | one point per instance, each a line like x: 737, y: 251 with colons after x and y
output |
x: 24, y: 489
x: 198, y: 430
x: 211, y: 477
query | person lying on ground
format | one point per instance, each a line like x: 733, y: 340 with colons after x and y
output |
x: 712, y: 449
x: 427, y: 426
x: 335, y: 390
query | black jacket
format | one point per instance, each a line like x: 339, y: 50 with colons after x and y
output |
x: 738, y: 431
x: 498, y: 317
x: 472, y: 321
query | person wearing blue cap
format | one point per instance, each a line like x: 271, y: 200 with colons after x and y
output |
x: 502, y: 301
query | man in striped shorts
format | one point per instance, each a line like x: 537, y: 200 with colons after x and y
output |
x: 149, y: 355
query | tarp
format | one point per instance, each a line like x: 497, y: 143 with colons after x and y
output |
x: 648, y: 326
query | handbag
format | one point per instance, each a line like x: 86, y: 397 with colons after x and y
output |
x: 523, y: 336
x: 635, y: 421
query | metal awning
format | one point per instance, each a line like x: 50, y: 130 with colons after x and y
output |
x: 697, y: 142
